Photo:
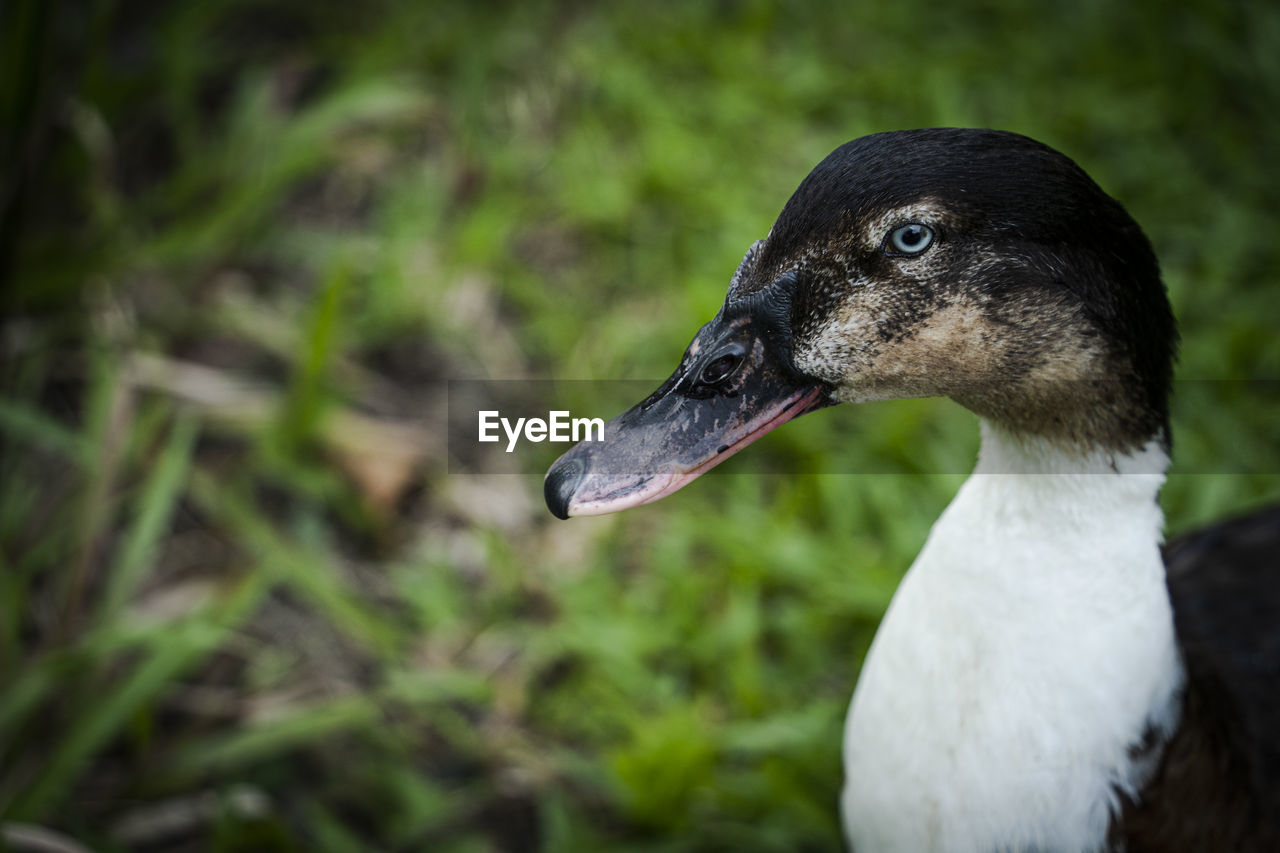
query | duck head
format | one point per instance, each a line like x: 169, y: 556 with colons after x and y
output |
x: 975, y: 264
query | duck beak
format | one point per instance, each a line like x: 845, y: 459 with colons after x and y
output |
x: 734, y: 384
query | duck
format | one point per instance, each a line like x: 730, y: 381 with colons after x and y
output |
x: 1049, y: 675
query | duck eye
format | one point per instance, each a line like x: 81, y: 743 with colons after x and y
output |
x: 910, y: 239
x: 718, y: 370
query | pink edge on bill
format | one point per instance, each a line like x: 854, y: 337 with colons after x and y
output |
x: 672, y: 480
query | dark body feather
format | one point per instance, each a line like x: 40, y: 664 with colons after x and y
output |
x: 1217, y: 786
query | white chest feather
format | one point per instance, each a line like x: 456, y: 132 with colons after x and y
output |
x: 1029, y: 647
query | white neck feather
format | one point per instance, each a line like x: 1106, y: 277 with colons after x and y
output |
x: 1029, y: 647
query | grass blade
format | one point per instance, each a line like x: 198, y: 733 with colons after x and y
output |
x: 155, y: 508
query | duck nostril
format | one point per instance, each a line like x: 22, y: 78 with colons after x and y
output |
x: 719, y: 369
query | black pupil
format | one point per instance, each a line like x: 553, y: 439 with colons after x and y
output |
x: 719, y: 369
x: 911, y: 236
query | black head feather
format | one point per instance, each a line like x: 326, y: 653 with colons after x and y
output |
x: 1026, y: 230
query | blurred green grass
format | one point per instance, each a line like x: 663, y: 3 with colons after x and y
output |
x: 244, y: 605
